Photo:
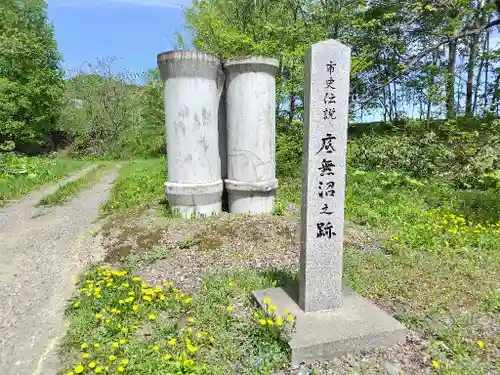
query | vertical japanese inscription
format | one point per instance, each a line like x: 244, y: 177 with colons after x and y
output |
x: 326, y: 185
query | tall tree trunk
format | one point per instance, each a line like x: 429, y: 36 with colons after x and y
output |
x: 486, y: 71
x: 291, y: 112
x: 479, y: 72
x: 450, y: 80
x: 394, y: 101
x: 469, y: 91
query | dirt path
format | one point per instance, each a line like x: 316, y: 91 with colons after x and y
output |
x: 40, y: 255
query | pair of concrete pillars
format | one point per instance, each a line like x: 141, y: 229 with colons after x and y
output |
x: 221, y: 132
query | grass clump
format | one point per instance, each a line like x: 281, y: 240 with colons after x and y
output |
x: 120, y: 324
x: 140, y: 182
x: 65, y: 192
x: 21, y: 174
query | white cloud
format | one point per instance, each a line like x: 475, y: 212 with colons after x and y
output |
x: 103, y: 3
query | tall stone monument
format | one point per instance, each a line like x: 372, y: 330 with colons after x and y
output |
x: 330, y: 320
x: 251, y: 134
x: 193, y: 84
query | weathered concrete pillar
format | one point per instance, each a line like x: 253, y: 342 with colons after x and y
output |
x: 193, y: 86
x: 251, y: 134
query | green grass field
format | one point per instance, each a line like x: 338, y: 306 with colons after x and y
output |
x: 39, y: 171
x: 437, y: 272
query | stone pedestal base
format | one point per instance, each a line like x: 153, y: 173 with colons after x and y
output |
x: 251, y: 197
x: 195, y: 199
x: 357, y: 325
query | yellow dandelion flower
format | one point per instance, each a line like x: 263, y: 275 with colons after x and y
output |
x: 136, y: 278
x: 191, y: 348
x: 436, y: 364
x: 115, y: 345
x: 267, y: 301
x: 480, y: 343
x: 108, y: 321
x: 167, y: 357
x: 198, y: 334
x: 98, y: 316
x: 272, y: 308
x: 131, y: 293
x: 85, y: 273
x: 124, y: 362
x: 279, y: 321
x: 70, y: 373
x: 98, y: 370
x: 147, y: 298
x: 135, y: 307
x: 121, y: 369
x: 229, y: 308
x: 84, y: 346
x: 76, y: 304
x: 92, y: 364
x: 79, y: 369
x: 188, y: 362
x: 263, y: 322
x: 187, y: 300
x: 124, y: 330
x: 121, y: 302
x: 190, y: 320
x: 205, y: 333
x: 112, y: 358
x: 287, y: 312
x: 230, y: 283
x: 162, y: 297
x: 97, y: 345
x: 212, y: 340
x: 85, y: 355
x: 123, y: 342
x: 190, y: 330
x: 152, y: 316
x: 172, y: 342
x: 156, y: 348
x: 291, y: 318
x: 270, y: 322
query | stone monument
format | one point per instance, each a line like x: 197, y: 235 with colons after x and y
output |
x: 250, y: 95
x: 193, y: 84
x: 330, y: 320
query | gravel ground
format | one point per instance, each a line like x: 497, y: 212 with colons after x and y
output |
x: 40, y: 254
x: 194, y: 249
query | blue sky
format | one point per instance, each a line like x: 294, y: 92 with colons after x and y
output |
x: 133, y: 31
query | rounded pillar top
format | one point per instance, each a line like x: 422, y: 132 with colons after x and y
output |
x: 253, y: 64
x: 188, y: 64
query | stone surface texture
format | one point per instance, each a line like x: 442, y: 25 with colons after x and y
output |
x: 192, y: 88
x: 323, y: 175
x: 251, y: 134
x: 325, y: 335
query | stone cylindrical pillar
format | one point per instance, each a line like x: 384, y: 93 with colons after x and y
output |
x: 192, y: 84
x: 251, y: 134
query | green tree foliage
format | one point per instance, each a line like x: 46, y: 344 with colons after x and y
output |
x: 30, y: 81
x: 107, y: 113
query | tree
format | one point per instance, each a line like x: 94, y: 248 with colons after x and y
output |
x: 30, y: 80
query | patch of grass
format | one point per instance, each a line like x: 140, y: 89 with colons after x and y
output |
x: 140, y: 182
x: 37, y: 171
x: 119, y: 324
x: 439, y: 273
x: 69, y: 190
